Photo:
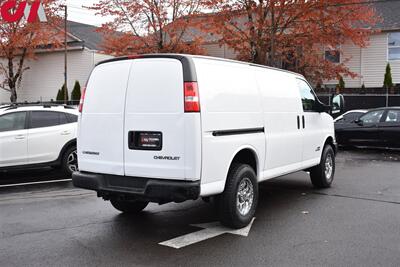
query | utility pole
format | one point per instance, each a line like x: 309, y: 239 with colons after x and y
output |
x: 65, y: 55
x: 387, y: 96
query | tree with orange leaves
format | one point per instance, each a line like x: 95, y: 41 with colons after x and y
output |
x: 20, y: 39
x: 292, y: 34
x: 147, y: 26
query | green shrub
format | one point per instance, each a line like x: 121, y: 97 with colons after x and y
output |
x: 59, y: 97
x: 388, y: 82
x: 76, y: 92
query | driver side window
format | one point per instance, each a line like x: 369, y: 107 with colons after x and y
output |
x: 308, y: 98
x: 372, y: 117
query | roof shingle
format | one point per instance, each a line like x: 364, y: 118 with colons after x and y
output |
x: 86, y: 33
x: 390, y: 13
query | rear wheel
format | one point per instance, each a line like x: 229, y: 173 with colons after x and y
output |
x: 129, y: 206
x: 322, y: 175
x: 237, y: 204
x: 70, y: 161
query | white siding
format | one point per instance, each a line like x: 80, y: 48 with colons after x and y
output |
x: 374, y: 60
x: 4, y: 96
x: 215, y: 50
x: 370, y: 63
x: 46, y: 74
x: 352, y: 53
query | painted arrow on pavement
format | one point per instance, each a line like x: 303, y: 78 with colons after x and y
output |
x: 210, y: 230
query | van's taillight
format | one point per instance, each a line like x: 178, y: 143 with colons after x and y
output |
x: 192, y: 100
x: 82, y: 99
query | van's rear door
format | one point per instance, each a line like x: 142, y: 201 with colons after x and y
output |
x: 154, y: 133
x: 100, y: 133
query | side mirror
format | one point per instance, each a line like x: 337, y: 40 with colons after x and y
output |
x: 323, y: 108
x: 337, y: 104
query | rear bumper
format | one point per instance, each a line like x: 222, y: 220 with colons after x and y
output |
x: 153, y: 190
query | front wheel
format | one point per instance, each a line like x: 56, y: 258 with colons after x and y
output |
x: 238, y: 203
x: 322, y: 175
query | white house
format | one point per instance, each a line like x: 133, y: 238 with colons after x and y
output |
x: 369, y: 63
x: 46, y: 74
x: 384, y: 47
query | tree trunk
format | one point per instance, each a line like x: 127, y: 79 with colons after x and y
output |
x: 272, y: 42
x: 11, y: 82
x: 13, y: 97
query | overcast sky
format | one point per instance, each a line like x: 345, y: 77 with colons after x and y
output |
x: 80, y: 14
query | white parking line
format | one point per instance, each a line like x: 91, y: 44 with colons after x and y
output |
x: 210, y: 230
x: 34, y: 183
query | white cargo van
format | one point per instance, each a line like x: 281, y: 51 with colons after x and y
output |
x: 167, y: 127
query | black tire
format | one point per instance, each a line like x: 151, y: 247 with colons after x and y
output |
x: 230, y: 216
x: 66, y: 163
x: 129, y: 206
x: 320, y: 176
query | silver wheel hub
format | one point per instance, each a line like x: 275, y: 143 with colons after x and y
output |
x: 245, y: 196
x: 328, y: 167
x: 72, y: 161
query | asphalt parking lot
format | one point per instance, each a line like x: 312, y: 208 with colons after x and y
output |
x: 354, y: 223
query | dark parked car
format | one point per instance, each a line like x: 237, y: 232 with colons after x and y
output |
x: 378, y: 127
x: 350, y: 116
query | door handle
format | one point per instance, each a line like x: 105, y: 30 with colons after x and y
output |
x: 20, y: 137
x: 298, y: 122
x: 304, y: 122
x: 65, y: 133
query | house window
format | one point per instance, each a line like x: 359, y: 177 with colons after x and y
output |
x: 394, y: 45
x: 332, y: 54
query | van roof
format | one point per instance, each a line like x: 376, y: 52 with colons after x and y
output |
x: 189, y: 73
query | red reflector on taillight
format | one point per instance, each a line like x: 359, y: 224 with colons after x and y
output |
x: 82, y: 99
x: 192, y: 100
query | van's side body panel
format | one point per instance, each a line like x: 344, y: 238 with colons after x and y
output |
x: 282, y: 108
x: 101, y: 125
x: 230, y: 103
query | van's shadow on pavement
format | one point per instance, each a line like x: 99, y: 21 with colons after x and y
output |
x: 371, y: 153
x: 143, y: 232
x: 31, y: 175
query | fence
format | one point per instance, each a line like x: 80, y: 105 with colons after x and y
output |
x: 364, y: 101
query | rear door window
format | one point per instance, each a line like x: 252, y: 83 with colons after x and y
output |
x: 12, y: 121
x: 71, y: 117
x: 393, y: 116
x: 40, y: 119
